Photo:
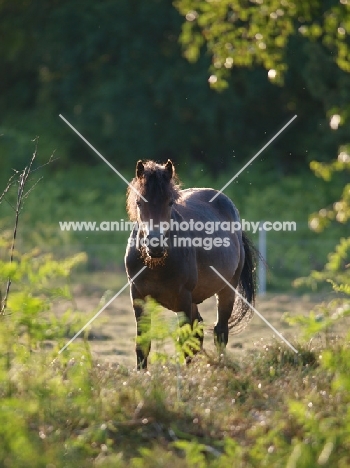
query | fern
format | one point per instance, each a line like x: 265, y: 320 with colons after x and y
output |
x: 156, y: 329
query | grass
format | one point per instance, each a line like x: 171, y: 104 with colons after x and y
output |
x: 80, y: 412
x: 117, y: 322
x: 262, y: 406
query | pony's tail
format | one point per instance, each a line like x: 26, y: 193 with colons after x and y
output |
x: 242, y: 313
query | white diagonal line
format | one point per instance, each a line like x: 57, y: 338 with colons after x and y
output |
x: 257, y: 154
x: 253, y: 308
x: 100, y: 311
x: 102, y: 157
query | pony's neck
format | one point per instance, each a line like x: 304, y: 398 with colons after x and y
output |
x: 176, y: 216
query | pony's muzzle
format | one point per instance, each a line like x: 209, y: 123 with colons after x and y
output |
x: 156, y: 245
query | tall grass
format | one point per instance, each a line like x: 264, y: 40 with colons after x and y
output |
x: 266, y: 409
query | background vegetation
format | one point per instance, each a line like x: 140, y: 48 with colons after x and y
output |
x: 205, y: 83
x: 118, y: 72
x: 270, y: 408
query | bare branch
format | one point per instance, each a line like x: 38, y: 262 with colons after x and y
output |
x: 8, y: 186
x: 10, y: 204
x: 21, y: 196
x: 31, y: 188
x: 51, y: 160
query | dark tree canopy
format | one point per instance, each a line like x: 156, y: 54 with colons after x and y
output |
x: 116, y: 70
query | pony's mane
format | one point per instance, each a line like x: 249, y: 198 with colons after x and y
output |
x: 153, y: 183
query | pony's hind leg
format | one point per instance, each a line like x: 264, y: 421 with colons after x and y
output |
x: 225, y: 300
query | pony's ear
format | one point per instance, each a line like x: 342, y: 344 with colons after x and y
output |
x: 139, y: 169
x: 169, y: 166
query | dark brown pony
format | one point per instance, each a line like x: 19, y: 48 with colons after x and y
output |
x: 179, y: 275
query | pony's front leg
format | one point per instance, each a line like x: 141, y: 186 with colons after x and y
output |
x: 196, y: 316
x: 142, y: 348
x: 192, y: 314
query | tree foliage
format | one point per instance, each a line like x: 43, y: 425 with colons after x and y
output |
x: 340, y: 210
x: 116, y: 71
x: 249, y: 32
x: 303, y: 47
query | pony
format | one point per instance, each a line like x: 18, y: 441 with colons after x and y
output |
x: 179, y: 235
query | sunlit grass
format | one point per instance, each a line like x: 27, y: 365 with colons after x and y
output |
x: 79, y: 411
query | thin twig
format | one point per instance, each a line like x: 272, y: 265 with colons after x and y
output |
x: 31, y: 188
x: 22, y: 180
x: 10, y: 204
x: 9, y: 184
x: 51, y: 160
x: 21, y: 196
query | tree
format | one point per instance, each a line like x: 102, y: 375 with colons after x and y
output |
x: 243, y: 33
x: 301, y: 45
x: 115, y: 70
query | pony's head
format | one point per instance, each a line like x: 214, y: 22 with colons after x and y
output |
x: 150, y: 199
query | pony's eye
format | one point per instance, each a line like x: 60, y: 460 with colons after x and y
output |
x: 138, y: 203
x: 171, y: 203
